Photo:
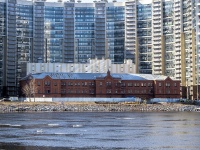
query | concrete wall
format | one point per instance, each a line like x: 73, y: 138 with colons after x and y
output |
x: 93, y: 66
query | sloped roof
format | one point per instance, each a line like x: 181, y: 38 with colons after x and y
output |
x: 152, y: 77
x: 92, y: 76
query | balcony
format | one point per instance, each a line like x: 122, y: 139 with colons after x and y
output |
x: 157, y: 68
x: 157, y: 60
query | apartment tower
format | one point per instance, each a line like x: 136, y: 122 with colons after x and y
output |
x: 160, y: 36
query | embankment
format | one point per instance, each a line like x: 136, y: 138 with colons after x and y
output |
x: 92, y: 107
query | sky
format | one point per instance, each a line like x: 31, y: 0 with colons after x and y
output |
x: 88, y: 1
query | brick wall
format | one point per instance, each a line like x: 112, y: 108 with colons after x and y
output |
x: 106, y: 87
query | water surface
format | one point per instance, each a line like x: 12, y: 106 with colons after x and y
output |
x: 97, y: 130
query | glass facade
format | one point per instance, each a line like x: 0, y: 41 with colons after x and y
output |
x: 24, y: 37
x: 144, y: 33
x: 115, y: 28
x: 84, y: 33
x: 2, y: 40
x: 53, y: 33
x: 168, y: 32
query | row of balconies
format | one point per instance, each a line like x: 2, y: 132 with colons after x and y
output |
x: 177, y: 9
x: 130, y: 3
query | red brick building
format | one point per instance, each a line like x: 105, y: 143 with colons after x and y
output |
x: 101, y: 85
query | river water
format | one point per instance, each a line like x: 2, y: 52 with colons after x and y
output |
x: 97, y: 130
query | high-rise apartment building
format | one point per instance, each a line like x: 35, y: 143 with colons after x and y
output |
x: 144, y: 37
x: 169, y: 31
x: 62, y: 32
x: 160, y: 36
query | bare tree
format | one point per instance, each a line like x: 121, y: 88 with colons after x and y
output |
x: 29, y: 89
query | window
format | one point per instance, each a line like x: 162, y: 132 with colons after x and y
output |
x: 108, y: 91
x: 129, y: 91
x: 38, y: 83
x: 63, y: 83
x: 64, y: 91
x: 47, y: 83
x: 175, y: 84
x: 48, y: 91
x: 55, y: 83
x: 123, y: 84
x: 159, y: 84
x: 91, y: 91
x: 130, y: 84
x: 122, y: 91
x: 108, y: 83
x: 136, y: 91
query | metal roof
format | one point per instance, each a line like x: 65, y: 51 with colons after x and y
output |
x: 93, y: 76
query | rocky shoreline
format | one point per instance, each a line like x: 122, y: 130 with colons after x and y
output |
x: 93, y: 107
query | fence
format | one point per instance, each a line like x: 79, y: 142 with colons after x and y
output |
x: 83, y: 99
x: 167, y: 100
